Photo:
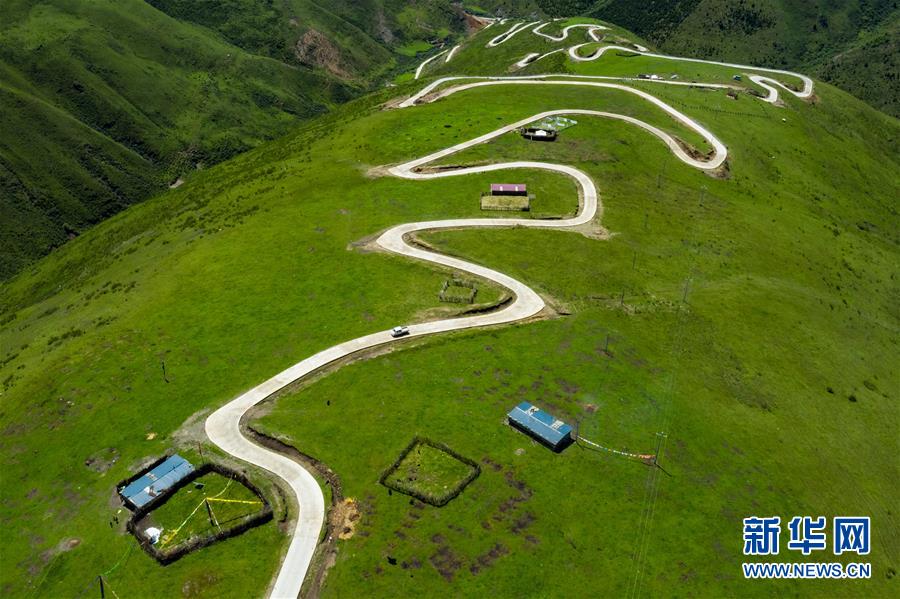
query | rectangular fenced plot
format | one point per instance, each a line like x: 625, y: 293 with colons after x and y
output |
x: 458, y: 292
x: 506, y: 203
x: 430, y: 472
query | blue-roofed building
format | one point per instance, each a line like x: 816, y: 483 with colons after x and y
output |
x: 555, y: 434
x: 156, y: 481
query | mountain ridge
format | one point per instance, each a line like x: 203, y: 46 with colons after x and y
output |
x: 748, y: 313
x: 239, y: 72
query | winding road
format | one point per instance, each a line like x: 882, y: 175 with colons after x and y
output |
x: 510, y: 33
x: 427, y: 60
x: 223, y: 426
x: 766, y: 82
x: 591, y: 28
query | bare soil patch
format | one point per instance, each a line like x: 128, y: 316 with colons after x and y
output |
x: 344, y: 516
x: 316, y: 50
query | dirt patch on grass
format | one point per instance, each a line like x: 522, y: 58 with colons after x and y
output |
x: 412, y: 564
x: 198, y: 584
x: 484, y: 561
x: 690, y: 150
x: 316, y: 50
x: 523, y: 522
x: 115, y: 501
x: 443, y: 312
x: 446, y: 562
x: 493, y: 465
x: 63, y: 546
x: 722, y: 172
x: 102, y: 460
x: 344, y: 516
x: 474, y: 23
x: 366, y: 245
x: 379, y: 171
x: 193, y: 430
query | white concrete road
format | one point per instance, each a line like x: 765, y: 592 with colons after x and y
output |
x: 452, y: 52
x: 508, y: 34
x: 592, y: 28
x: 426, y: 61
x: 423, y: 95
x: 766, y: 82
x: 223, y: 426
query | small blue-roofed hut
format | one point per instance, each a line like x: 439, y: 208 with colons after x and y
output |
x: 156, y: 481
x: 555, y: 434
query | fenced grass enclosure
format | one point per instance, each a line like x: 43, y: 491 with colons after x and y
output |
x: 506, y: 203
x: 430, y: 471
x: 192, y: 517
x: 458, y: 291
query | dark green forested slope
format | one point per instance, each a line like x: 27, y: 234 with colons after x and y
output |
x: 104, y: 103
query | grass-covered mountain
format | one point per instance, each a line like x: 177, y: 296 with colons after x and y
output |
x: 854, y: 44
x: 752, y: 316
x: 104, y: 103
x: 130, y: 95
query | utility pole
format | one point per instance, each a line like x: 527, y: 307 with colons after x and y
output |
x: 209, y: 513
x: 102, y: 590
x: 659, y: 439
x: 687, y: 287
x: 165, y: 377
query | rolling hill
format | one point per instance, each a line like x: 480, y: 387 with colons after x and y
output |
x: 748, y: 312
x: 105, y: 103
x: 132, y: 96
x: 853, y: 44
x: 850, y: 43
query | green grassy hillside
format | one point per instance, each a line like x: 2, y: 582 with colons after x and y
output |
x: 752, y: 317
x: 181, y: 83
x: 352, y: 40
x: 850, y: 43
x: 105, y: 103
